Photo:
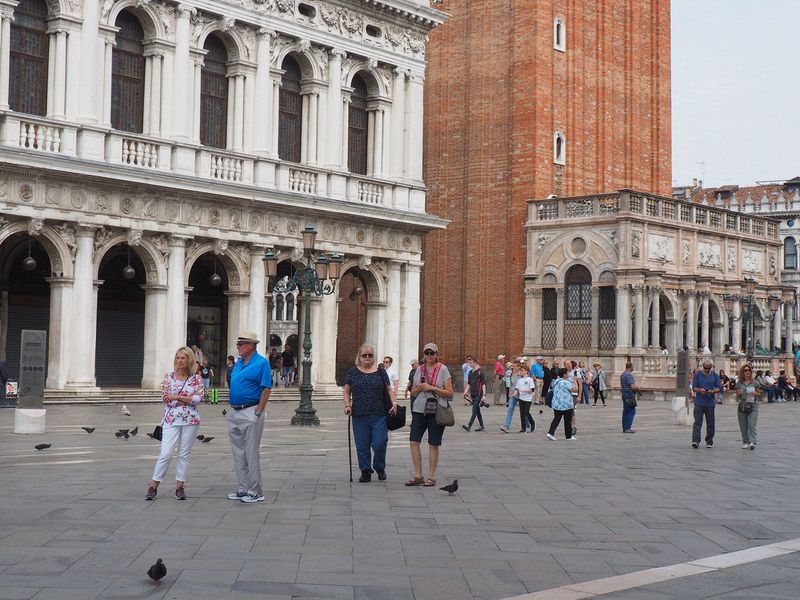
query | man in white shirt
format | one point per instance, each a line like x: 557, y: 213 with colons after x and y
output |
x: 394, y: 378
x: 465, y: 369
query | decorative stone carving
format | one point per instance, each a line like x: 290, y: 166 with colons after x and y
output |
x: 26, y: 192
x: 364, y: 262
x: 751, y: 261
x: 52, y: 195
x: 101, y: 236
x: 214, y: 217
x: 4, y: 222
x: 731, y: 258
x: 172, y: 210
x: 67, y: 233
x: 78, y: 199
x: 226, y: 23
x: 102, y: 202
x: 708, y: 255
x: 297, y: 255
x: 236, y: 219
x: 772, y: 264
x: 406, y: 243
x: 291, y: 227
x: 161, y: 243
x: 636, y: 240
x: 127, y: 206
x: 542, y: 240
x: 274, y: 224
x: 376, y: 238
x: 254, y: 221
x: 661, y: 247
x: 361, y: 236
x: 686, y: 253
x: 391, y: 240
x: 221, y: 247
x: 35, y: 227
x: 135, y: 237
x: 243, y: 252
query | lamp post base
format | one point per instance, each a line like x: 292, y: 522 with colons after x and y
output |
x: 305, y: 415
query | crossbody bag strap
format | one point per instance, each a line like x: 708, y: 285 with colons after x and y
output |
x: 164, y: 418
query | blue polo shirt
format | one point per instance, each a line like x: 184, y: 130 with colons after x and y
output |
x: 707, y: 382
x: 249, y: 380
x: 537, y: 371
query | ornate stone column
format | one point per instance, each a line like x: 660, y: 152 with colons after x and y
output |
x: 705, y: 327
x: 393, y: 293
x: 375, y: 331
x: 398, y: 133
x: 655, y: 316
x: 89, y: 89
x: 84, y: 313
x: 183, y: 74
x: 237, y: 318
x: 787, y: 347
x: 334, y: 119
x: 623, y: 319
x: 736, y: 328
x: 59, y: 332
x: 262, y: 125
x: 414, y: 145
x: 176, y: 292
x: 409, y: 311
x: 691, y: 320
x: 325, y: 340
x: 777, y: 326
x: 238, y: 110
x: 595, y: 340
x: 533, y: 319
x: 6, y: 16
x: 560, y: 315
x: 258, y: 283
x: 641, y: 318
x: 156, y: 348
x: 152, y: 106
x: 276, y: 91
x: 56, y: 94
x: 109, y: 41
x: 196, y: 87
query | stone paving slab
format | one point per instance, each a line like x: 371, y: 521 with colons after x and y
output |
x: 531, y: 515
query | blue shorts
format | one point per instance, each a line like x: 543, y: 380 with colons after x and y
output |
x: 420, y: 422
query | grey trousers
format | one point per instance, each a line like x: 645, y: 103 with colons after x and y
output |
x: 747, y: 425
x: 244, y: 432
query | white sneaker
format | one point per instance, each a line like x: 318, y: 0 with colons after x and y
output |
x: 236, y: 495
x: 752, y: 446
x: 745, y: 446
x: 574, y: 437
x: 253, y: 498
x: 504, y: 429
x: 551, y: 437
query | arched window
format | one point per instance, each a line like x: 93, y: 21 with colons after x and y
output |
x: 290, y: 114
x: 214, y: 94
x: 559, y: 35
x: 357, y: 128
x: 559, y: 148
x: 790, y: 253
x: 578, y: 296
x: 28, y: 58
x: 127, y: 75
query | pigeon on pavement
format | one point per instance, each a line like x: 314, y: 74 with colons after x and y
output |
x: 88, y: 429
x: 452, y: 488
x: 201, y: 437
x: 157, y: 571
x: 122, y: 431
x: 150, y: 435
x: 126, y: 436
x: 207, y: 439
x: 125, y: 411
x: 135, y: 430
x: 224, y: 412
x: 42, y: 446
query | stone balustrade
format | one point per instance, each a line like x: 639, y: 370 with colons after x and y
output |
x: 35, y: 133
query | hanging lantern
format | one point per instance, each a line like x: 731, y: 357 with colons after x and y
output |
x: 215, y: 279
x: 29, y: 263
x: 129, y: 272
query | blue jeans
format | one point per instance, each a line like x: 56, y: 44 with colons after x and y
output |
x: 628, y: 412
x: 585, y: 396
x: 370, y: 431
x: 512, y: 402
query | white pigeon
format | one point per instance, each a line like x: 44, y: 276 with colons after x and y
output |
x: 125, y: 411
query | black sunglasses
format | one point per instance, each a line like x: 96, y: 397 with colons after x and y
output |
x: 429, y: 353
x: 367, y: 355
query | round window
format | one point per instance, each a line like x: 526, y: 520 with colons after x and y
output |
x: 790, y: 223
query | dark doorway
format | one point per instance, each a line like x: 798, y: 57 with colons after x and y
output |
x: 207, y: 318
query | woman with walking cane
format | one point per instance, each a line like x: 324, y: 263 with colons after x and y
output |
x: 364, y: 391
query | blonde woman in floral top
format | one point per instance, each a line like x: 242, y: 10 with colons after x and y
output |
x: 181, y: 391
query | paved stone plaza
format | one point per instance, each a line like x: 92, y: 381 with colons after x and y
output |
x: 531, y: 515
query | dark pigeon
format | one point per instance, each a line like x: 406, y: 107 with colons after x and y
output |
x: 126, y: 436
x: 157, y: 571
x: 207, y: 439
x: 150, y: 435
x: 88, y: 429
x: 123, y: 431
x: 42, y: 446
x: 201, y: 437
x: 135, y: 430
x: 452, y: 488
x: 224, y: 412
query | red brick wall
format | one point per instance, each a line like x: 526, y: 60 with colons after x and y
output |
x: 496, y: 91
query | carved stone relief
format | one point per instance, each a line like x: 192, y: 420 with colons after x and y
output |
x: 636, y: 241
x: 708, y: 255
x: 221, y: 247
x: 135, y: 237
x: 772, y: 264
x: 752, y: 261
x: 686, y: 253
x: 35, y: 227
x: 731, y: 258
x: 101, y: 236
x: 661, y: 247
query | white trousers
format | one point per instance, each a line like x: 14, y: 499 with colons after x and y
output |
x: 185, y: 436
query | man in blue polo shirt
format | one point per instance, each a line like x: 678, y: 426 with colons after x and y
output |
x: 251, y: 383
x: 705, y: 385
x: 537, y: 374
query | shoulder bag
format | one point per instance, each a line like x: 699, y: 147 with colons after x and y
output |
x: 158, y: 432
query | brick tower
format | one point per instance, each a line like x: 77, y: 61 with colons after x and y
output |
x: 523, y: 99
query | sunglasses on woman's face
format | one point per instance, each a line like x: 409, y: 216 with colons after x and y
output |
x: 429, y: 353
x: 367, y: 355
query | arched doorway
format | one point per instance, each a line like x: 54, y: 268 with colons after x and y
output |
x: 25, y: 295
x: 284, y: 321
x: 207, y: 312
x: 120, y: 319
x: 352, y: 320
x: 578, y: 308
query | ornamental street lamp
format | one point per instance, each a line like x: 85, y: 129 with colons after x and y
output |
x: 747, y: 314
x: 317, y: 278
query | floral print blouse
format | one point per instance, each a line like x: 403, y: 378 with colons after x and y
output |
x: 178, y: 413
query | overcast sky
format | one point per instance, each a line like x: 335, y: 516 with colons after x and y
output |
x: 735, y: 91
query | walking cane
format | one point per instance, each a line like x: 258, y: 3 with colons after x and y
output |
x: 349, y: 449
